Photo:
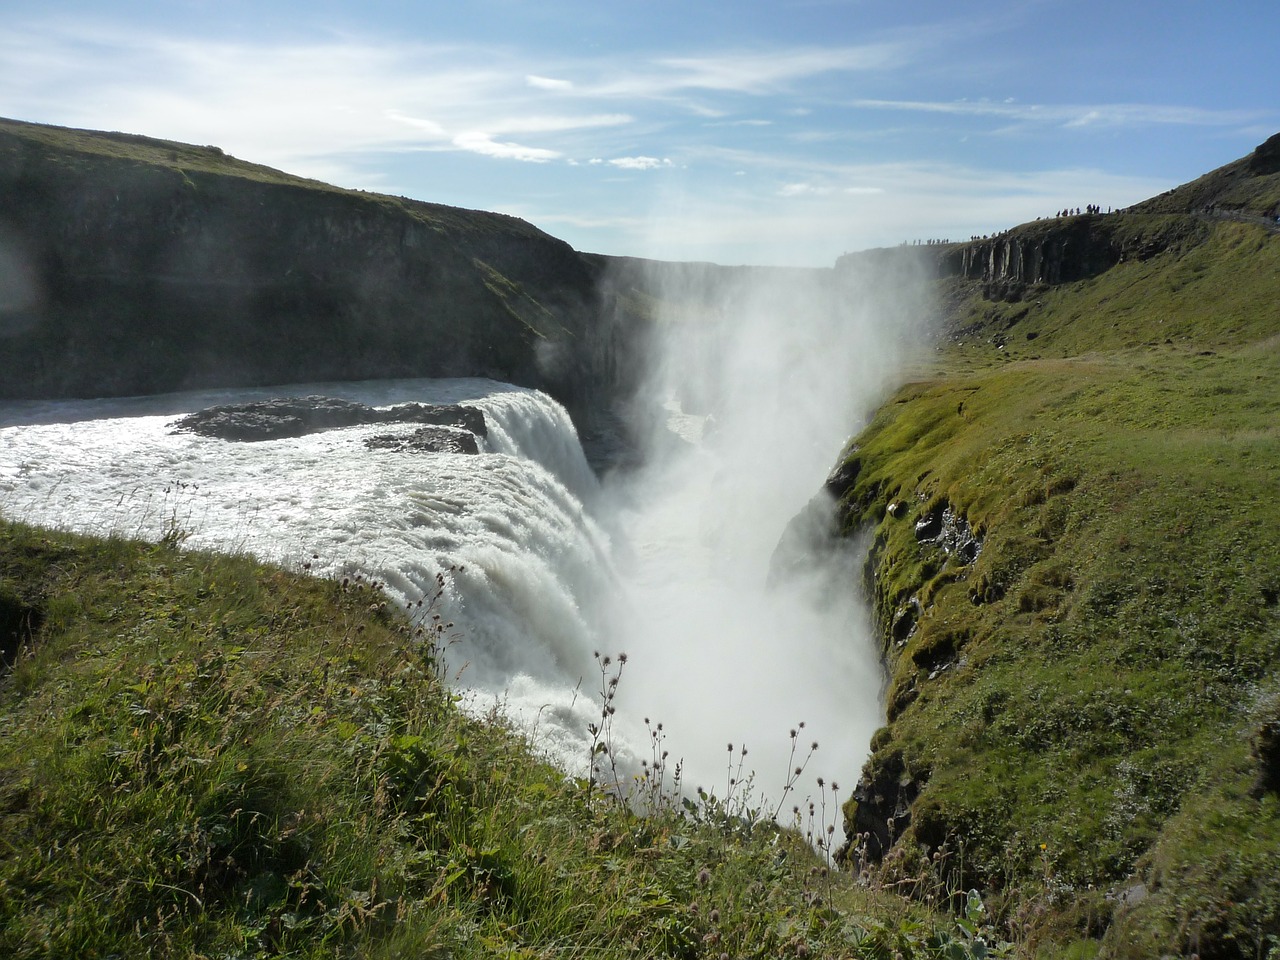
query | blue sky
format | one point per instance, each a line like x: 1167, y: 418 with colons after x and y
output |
x: 783, y: 132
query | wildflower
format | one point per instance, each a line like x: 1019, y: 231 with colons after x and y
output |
x: 704, y: 877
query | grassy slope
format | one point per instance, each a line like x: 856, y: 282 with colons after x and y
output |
x: 69, y: 146
x: 1078, y: 703
x: 204, y: 757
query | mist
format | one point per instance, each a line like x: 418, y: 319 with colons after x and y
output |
x: 748, y: 383
x: 756, y: 379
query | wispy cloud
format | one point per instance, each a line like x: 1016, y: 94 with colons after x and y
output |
x: 639, y: 163
x: 772, y: 71
x: 747, y: 152
x: 741, y: 123
x: 304, y: 105
x: 547, y: 83
x: 756, y: 73
x: 826, y: 190
x: 484, y: 144
x: 852, y: 207
x: 1070, y: 115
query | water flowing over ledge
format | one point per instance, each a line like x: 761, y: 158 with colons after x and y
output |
x: 545, y: 566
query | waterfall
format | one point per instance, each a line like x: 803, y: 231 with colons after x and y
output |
x: 545, y: 566
x: 531, y: 567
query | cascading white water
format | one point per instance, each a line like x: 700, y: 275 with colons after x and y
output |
x: 669, y: 564
x: 534, y: 568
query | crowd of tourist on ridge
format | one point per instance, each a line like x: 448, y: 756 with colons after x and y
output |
x: 1089, y: 209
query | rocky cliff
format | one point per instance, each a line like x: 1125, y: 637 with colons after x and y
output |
x: 1072, y: 248
x: 133, y: 266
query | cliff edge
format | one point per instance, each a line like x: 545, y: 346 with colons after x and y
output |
x: 136, y: 266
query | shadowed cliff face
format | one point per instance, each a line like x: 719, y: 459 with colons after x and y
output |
x: 1041, y: 253
x: 156, y: 269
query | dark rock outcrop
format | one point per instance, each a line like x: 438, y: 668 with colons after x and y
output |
x: 941, y: 527
x: 881, y: 808
x: 1265, y: 160
x: 426, y: 440
x: 20, y: 620
x: 298, y: 416
x: 1264, y: 747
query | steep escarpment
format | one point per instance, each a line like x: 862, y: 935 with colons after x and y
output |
x: 1074, y: 564
x: 139, y: 266
x: 1020, y: 264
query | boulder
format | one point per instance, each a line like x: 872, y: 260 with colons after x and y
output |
x: 297, y: 416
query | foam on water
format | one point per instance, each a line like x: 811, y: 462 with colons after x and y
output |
x: 551, y: 567
x: 535, y: 566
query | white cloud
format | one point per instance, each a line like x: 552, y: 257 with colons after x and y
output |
x: 741, y: 123
x: 484, y: 144
x: 639, y: 163
x: 1071, y: 115
x: 825, y: 190
x: 429, y: 127
x: 558, y: 124
x: 773, y: 70
x: 548, y: 83
x: 312, y: 107
x: 801, y: 190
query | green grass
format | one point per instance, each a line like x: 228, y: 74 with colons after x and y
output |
x: 1091, y: 682
x: 1173, y: 299
x: 201, y: 756
x: 84, y: 152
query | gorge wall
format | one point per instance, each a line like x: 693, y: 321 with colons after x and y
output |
x: 136, y: 266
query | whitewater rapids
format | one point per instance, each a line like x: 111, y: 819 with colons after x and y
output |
x: 551, y: 567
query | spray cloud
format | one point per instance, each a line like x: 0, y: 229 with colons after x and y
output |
x: 757, y: 378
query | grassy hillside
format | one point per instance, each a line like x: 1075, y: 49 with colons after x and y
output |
x: 204, y: 757
x: 1084, y: 719
x: 82, y: 150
